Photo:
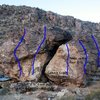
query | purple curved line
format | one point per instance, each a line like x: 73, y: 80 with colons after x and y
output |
x: 85, y: 52
x: 93, y: 38
x: 19, y: 65
x: 67, y: 61
x: 44, y: 38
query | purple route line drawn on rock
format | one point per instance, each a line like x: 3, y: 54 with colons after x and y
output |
x: 67, y: 61
x: 86, y: 58
x: 15, y: 50
x: 44, y: 38
x: 96, y: 44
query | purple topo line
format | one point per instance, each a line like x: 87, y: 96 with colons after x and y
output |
x: 44, y: 38
x: 92, y: 36
x: 67, y: 61
x: 19, y: 65
x: 85, y: 52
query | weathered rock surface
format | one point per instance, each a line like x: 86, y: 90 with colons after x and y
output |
x: 60, y: 30
x: 62, y: 72
x: 11, y: 30
x: 57, y: 68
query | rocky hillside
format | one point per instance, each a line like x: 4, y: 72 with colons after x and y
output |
x: 57, y: 49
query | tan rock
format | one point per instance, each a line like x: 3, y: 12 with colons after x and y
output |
x: 56, y: 69
x: 27, y: 68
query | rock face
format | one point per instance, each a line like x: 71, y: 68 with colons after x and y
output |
x: 29, y: 46
x: 64, y: 72
x: 52, y: 53
x: 26, y: 53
